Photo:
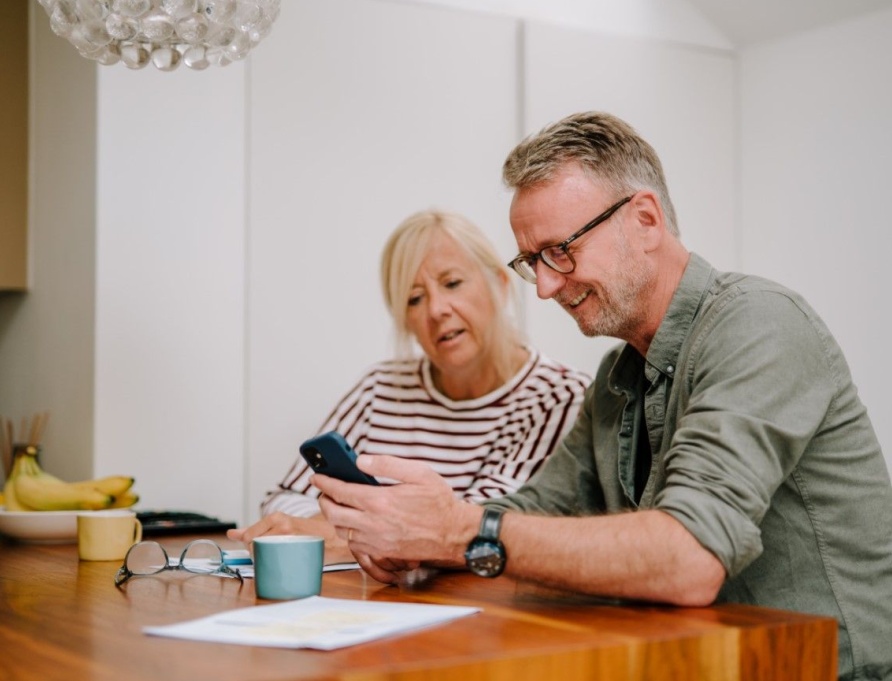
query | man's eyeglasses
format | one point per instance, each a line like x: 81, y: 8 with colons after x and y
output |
x: 558, y: 257
x: 201, y: 557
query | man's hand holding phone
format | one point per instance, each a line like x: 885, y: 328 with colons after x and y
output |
x: 391, y: 528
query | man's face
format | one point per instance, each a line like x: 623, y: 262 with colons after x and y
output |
x: 606, y: 292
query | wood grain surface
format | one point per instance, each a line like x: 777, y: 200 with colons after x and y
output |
x: 64, y: 619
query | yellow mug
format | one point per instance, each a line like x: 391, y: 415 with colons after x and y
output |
x: 106, y: 535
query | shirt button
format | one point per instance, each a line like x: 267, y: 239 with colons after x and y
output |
x: 670, y: 369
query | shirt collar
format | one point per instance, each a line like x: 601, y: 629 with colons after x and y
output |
x: 662, y: 356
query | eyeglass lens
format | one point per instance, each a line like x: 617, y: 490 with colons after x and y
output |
x: 526, y: 269
x: 202, y: 556
x: 146, y: 558
x: 555, y: 257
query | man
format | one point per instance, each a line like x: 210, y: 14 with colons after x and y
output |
x: 722, y: 453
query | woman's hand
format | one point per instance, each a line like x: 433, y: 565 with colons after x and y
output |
x: 336, y: 550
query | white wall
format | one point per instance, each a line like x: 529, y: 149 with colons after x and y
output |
x: 675, y: 21
x: 170, y: 282
x: 815, y: 143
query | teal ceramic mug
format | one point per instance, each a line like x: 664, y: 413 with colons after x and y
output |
x: 288, y: 566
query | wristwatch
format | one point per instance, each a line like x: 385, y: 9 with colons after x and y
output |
x: 485, y: 555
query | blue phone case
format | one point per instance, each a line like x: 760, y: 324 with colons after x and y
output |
x: 330, y: 454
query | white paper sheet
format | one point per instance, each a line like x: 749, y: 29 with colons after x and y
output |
x: 315, y: 622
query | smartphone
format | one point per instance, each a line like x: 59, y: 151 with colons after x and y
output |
x: 330, y: 454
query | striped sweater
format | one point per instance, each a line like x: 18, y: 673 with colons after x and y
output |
x: 484, y: 447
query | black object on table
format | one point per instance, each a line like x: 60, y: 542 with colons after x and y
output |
x: 165, y: 523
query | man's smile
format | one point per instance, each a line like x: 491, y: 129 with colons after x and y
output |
x: 578, y: 299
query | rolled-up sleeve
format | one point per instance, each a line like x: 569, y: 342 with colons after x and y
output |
x: 755, y: 383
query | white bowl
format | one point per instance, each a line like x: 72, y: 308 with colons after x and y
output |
x: 40, y: 527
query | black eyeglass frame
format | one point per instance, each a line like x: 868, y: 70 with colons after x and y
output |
x: 525, y: 264
x: 124, y: 573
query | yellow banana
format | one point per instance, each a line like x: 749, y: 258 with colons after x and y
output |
x: 38, y: 472
x: 113, y: 485
x: 30, y: 488
x: 26, y: 466
x: 21, y: 466
x: 126, y: 500
x: 10, y: 500
x: 39, y: 493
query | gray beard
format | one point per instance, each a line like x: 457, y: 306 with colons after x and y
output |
x: 620, y: 311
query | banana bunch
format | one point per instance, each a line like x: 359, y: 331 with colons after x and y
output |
x: 30, y: 488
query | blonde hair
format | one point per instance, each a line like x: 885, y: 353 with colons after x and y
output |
x: 401, y: 258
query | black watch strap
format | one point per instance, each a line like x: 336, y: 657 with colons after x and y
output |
x: 491, y: 523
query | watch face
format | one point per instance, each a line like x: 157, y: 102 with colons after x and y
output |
x: 485, y: 558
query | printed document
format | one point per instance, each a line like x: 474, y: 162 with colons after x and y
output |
x: 315, y: 622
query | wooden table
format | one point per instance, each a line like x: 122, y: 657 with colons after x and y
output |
x: 64, y: 619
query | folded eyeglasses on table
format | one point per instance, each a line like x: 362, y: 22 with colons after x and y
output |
x: 200, y: 557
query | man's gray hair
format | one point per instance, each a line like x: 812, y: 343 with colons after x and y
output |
x: 608, y: 150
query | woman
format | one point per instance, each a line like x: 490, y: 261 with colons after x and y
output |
x: 480, y: 407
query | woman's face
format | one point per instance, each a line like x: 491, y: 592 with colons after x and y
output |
x: 450, y: 308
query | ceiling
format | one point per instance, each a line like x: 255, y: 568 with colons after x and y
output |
x: 746, y: 22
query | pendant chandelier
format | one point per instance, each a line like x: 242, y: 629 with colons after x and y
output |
x: 166, y: 33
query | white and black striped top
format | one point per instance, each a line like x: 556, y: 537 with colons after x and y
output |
x: 484, y: 447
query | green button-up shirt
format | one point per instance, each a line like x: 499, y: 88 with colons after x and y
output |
x: 760, y: 447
